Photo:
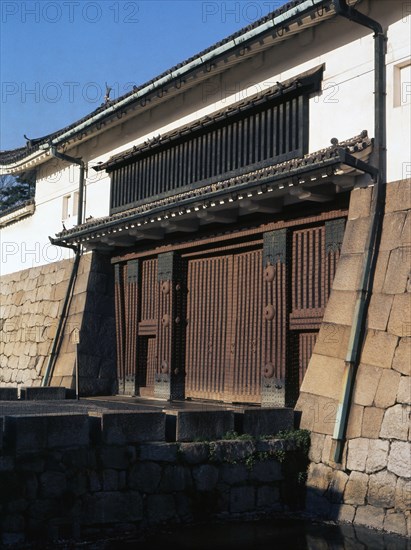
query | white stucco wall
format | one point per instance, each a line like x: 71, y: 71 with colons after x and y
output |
x: 343, y: 109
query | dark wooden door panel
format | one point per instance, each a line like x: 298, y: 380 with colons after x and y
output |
x: 244, y: 383
x: 208, y: 310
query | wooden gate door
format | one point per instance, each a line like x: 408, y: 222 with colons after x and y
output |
x: 244, y: 381
x: 315, y: 253
x: 208, y: 320
x: 147, y: 328
x: 224, y: 313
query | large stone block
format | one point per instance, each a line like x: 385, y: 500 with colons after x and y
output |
x: 348, y: 274
x: 400, y: 318
x: 52, y: 484
x: 42, y: 393
x: 360, y: 202
x: 402, y: 357
x: 395, y: 423
x: 318, y: 413
x: 337, y: 485
x: 319, y: 477
x: 1, y: 432
x: 381, y: 489
x: 205, y: 477
x: 366, y: 384
x: 355, y: 421
x: 175, y: 477
x: 379, y: 311
x: 355, y: 236
x: 161, y: 452
x: 233, y: 474
x: 381, y: 270
x: 340, y: 307
x: 395, y: 522
x: 114, y: 457
x: 194, y: 453
x: 387, y: 389
x: 404, y: 390
x: 392, y: 227
x: 342, y: 513
x: 231, y: 450
x: 379, y: 348
x: 118, y: 428
x: 258, y: 422
x: 34, y: 433
x: 332, y: 340
x: 266, y: 471
x: 377, y: 455
x: 398, y: 196
x: 398, y: 271
x: 356, y: 489
x: 370, y: 516
x: 193, y: 425
x: 242, y: 499
x: 399, y: 459
x: 316, y: 447
x: 357, y: 454
x: 324, y: 376
x: 403, y: 494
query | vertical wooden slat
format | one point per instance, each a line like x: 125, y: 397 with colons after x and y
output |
x: 267, y: 133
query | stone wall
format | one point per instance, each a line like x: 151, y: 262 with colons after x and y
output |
x: 75, y: 476
x: 31, y: 305
x: 372, y: 486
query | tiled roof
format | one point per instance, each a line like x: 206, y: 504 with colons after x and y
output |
x: 286, y: 170
x: 14, y: 155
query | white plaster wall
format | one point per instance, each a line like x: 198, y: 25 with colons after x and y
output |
x: 343, y: 109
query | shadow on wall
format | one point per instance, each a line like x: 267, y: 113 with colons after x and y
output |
x: 97, y: 350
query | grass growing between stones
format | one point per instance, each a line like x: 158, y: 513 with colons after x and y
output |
x: 292, y: 455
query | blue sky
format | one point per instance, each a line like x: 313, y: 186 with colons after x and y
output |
x: 57, y: 55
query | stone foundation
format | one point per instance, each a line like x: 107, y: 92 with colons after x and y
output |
x: 31, y: 305
x: 372, y: 486
x: 75, y: 476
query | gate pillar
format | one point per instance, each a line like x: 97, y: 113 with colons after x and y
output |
x: 171, y: 328
x: 132, y: 317
x: 273, y: 368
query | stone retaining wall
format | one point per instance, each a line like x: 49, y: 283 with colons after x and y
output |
x: 372, y: 486
x: 75, y: 476
x: 31, y: 304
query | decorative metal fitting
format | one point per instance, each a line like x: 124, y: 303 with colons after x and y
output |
x: 268, y: 370
x: 164, y: 367
x: 269, y: 274
x: 165, y: 320
x: 165, y: 287
x: 269, y: 312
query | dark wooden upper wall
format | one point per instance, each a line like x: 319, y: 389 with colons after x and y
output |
x: 266, y: 130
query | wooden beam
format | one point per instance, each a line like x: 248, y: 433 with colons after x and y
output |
x: 217, y: 217
x: 306, y: 195
x: 185, y: 226
x: 256, y: 205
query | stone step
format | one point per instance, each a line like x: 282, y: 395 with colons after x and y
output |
x: 42, y: 393
x: 265, y: 421
x: 8, y: 394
